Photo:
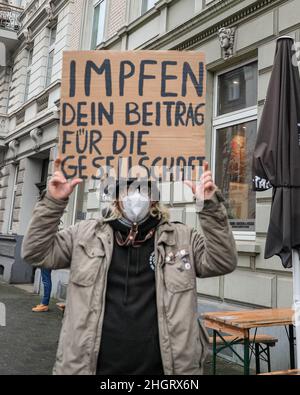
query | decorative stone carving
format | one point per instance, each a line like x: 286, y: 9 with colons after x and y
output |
x: 35, y: 136
x: 13, y: 147
x: 49, y: 8
x: 9, y: 67
x: 226, y: 37
x: 28, y: 36
x: 9, y: 16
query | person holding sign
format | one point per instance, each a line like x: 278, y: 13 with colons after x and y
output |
x: 131, y: 305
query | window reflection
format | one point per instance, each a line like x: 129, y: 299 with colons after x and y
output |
x: 234, y: 150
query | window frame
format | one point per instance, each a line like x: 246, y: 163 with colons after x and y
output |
x: 232, y: 118
x: 74, y: 208
x: 51, y: 49
x: 85, y: 184
x: 97, y: 3
x: 28, y: 74
x: 13, y: 198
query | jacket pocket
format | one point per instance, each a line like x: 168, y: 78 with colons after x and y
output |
x: 86, y: 264
x: 179, y: 272
x: 178, y: 286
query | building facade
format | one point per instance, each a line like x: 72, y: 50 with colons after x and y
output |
x: 33, y: 36
x: 239, y: 40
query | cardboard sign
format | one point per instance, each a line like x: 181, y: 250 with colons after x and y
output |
x: 131, y: 111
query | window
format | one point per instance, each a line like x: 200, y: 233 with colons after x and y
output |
x: 13, y: 199
x: 86, y: 204
x: 44, y: 175
x: 28, y: 73
x: 52, y: 38
x: 147, y: 4
x: 81, y: 198
x: 98, y: 22
x: 235, y: 125
x: 237, y: 89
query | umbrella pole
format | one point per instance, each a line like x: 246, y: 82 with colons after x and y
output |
x: 296, y: 299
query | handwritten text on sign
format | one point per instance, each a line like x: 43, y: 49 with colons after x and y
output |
x: 139, y: 108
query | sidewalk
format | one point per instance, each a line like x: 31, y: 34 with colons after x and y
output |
x: 28, y: 342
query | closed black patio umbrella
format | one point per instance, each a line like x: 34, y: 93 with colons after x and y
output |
x: 276, y: 162
x: 277, y: 154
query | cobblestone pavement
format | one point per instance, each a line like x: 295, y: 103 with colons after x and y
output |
x: 28, y: 342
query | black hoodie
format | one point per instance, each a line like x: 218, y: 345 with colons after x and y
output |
x: 130, y: 342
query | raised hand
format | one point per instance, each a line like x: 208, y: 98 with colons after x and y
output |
x: 58, y: 186
x: 205, y: 188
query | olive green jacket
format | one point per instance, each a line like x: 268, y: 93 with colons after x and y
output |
x: 86, y: 248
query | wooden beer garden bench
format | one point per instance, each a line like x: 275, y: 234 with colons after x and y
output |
x: 259, y: 345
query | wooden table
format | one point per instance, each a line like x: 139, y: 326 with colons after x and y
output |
x: 239, y: 323
x: 294, y: 372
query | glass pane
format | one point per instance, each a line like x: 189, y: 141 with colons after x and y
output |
x: 27, y: 83
x: 234, y: 150
x: 16, y: 177
x: 98, y: 24
x: 147, y: 4
x: 101, y: 22
x: 237, y: 89
x: 95, y: 27
x: 67, y: 218
x: 45, y: 168
x: 10, y: 225
x: 49, y: 67
x: 52, y: 36
x: 81, y: 203
x: 30, y: 53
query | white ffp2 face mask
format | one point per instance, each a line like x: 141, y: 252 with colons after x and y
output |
x: 136, y: 206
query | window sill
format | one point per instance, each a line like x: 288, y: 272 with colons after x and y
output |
x: 248, y: 247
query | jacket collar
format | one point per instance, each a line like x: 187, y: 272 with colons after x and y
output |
x: 103, y: 228
x: 166, y: 234
x: 165, y: 230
